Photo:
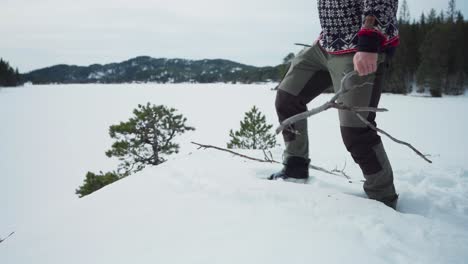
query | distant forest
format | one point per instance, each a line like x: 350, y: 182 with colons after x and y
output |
x: 432, y: 55
x: 9, y: 77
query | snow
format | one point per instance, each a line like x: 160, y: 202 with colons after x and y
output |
x: 162, y: 74
x: 96, y: 75
x: 206, y: 206
x: 236, y: 69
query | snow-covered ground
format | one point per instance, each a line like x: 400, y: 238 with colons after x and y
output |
x: 206, y: 206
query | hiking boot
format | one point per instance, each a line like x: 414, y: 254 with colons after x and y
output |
x: 296, y: 169
x: 391, y: 201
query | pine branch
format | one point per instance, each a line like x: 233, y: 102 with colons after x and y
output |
x: 269, y: 159
x: 287, y: 124
x: 168, y: 141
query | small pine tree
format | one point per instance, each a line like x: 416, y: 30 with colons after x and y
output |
x: 432, y: 17
x: 146, y: 137
x: 289, y: 58
x: 254, y: 132
x: 94, y: 182
x: 404, y: 16
x: 451, y: 11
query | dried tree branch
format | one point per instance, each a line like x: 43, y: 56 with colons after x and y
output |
x: 268, y: 156
x: 392, y: 138
x: 269, y: 159
x: 342, y: 106
x: 330, y: 104
x: 234, y: 153
x: 342, y: 171
x: 1, y: 240
x: 304, y: 45
x: 286, y: 124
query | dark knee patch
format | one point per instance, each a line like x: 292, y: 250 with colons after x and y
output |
x: 360, y: 142
x: 316, y: 85
x: 288, y: 105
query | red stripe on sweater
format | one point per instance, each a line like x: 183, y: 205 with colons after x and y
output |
x: 393, y: 42
x: 370, y: 32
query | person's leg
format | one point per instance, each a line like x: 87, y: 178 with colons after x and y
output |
x: 362, y: 142
x: 306, y: 79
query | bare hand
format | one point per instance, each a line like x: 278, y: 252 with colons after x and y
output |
x: 365, y: 62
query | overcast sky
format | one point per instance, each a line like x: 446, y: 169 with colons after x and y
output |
x: 40, y: 33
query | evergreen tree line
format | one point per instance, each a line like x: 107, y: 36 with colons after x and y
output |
x: 8, y: 76
x: 431, y: 55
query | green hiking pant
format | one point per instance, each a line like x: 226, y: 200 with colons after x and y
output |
x: 313, y: 71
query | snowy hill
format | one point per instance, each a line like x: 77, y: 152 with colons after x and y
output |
x: 159, y: 70
x: 206, y: 206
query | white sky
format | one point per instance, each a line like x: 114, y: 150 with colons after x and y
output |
x: 40, y: 33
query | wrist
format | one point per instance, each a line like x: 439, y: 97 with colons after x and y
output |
x: 369, y: 41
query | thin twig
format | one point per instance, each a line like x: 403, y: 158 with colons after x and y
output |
x: 337, y: 173
x: 268, y: 156
x: 271, y: 160
x: 234, y: 153
x: 304, y: 45
x: 391, y: 137
x: 1, y: 240
x: 342, y: 171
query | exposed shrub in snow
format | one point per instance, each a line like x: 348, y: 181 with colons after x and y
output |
x: 254, y: 132
x: 146, y: 137
x: 94, y: 182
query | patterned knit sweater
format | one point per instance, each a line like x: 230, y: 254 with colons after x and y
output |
x: 358, y: 25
